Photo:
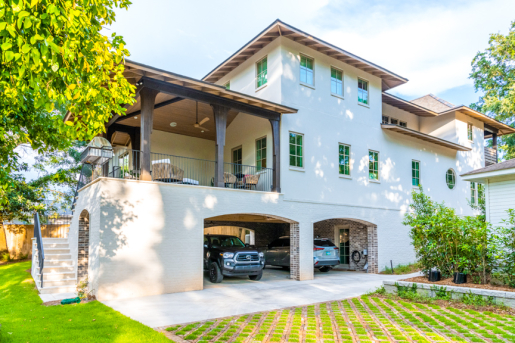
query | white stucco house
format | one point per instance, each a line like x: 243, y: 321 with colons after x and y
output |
x: 290, y: 135
x: 498, y: 181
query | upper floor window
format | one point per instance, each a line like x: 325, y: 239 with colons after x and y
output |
x: 363, y: 91
x: 344, y: 159
x: 296, y: 150
x: 403, y: 124
x: 394, y: 121
x: 450, y: 178
x: 470, y: 134
x: 306, y: 70
x: 261, y: 153
x: 228, y: 85
x: 415, y: 173
x: 336, y: 81
x: 373, y: 165
x: 473, y: 193
x: 261, y: 72
x: 237, y: 160
x: 386, y: 120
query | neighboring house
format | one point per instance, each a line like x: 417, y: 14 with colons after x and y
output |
x: 289, y: 136
x: 498, y: 181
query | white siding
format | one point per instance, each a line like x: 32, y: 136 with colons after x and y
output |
x: 501, y: 197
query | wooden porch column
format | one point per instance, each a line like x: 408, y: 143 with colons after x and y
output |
x: 276, y: 173
x: 148, y: 98
x: 494, y: 145
x: 220, y: 113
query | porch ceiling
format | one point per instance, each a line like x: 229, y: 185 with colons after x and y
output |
x: 182, y: 113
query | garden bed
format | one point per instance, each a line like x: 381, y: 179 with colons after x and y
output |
x: 448, y: 282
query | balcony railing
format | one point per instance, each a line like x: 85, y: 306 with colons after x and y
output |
x: 125, y: 164
x: 490, y: 156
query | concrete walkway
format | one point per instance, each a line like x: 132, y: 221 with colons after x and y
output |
x: 233, y: 298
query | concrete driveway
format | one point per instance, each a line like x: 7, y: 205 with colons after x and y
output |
x: 236, y: 296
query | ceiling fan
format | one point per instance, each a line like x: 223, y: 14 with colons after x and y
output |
x: 199, y: 125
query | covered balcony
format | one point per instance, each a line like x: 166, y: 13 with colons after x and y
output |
x: 185, y: 131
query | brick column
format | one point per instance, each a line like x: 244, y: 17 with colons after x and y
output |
x: 372, y: 249
x: 83, y: 258
x: 295, y: 251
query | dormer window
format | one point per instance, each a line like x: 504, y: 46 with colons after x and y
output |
x: 363, y: 92
x: 261, y: 73
x: 306, y: 70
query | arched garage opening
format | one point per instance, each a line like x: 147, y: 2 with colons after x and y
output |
x: 276, y: 237
x: 355, y: 239
x: 83, y: 251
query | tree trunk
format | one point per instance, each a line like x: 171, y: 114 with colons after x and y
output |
x: 3, y: 235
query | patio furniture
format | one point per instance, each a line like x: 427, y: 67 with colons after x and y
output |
x: 229, y: 179
x: 249, y: 181
x: 164, y: 171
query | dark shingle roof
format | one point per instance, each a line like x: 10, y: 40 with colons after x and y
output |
x: 494, y: 167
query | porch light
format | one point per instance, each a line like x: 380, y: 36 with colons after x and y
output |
x: 173, y: 124
x: 136, y: 117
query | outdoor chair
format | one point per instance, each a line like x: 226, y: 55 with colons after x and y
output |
x: 164, y: 171
x: 229, y: 179
x: 250, y: 181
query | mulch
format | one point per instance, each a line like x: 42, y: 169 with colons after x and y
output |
x: 448, y: 282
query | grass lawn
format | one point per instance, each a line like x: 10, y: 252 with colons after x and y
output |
x: 365, y: 319
x: 24, y: 319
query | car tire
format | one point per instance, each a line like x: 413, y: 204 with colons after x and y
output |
x: 324, y: 269
x: 256, y: 277
x: 215, y: 274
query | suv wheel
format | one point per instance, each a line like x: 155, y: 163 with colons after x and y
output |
x: 325, y: 269
x: 256, y: 277
x: 215, y: 275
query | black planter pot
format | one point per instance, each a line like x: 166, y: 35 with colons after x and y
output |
x: 434, y: 275
x: 459, y: 278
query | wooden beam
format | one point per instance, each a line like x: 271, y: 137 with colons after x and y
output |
x: 193, y: 94
x: 161, y: 104
x: 148, y: 98
x: 220, y: 114
x: 276, y: 173
x: 116, y: 116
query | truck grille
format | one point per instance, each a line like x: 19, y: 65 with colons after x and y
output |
x: 247, y: 257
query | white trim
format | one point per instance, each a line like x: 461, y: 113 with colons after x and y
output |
x: 307, y: 85
x: 368, y: 92
x: 455, y: 179
x: 378, y: 167
x: 350, y: 164
x: 330, y: 77
x: 297, y: 169
x: 491, y: 174
x: 313, y: 59
x: 256, y: 73
x: 260, y: 88
x: 303, y: 152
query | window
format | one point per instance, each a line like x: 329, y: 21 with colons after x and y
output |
x: 373, y: 165
x: 403, y: 124
x: 296, y: 152
x: 261, y: 70
x: 450, y: 178
x: 306, y: 70
x: 363, y: 91
x: 344, y: 246
x: 473, y: 193
x: 344, y: 159
x: 237, y: 160
x: 228, y: 85
x: 336, y: 81
x: 470, y: 134
x: 415, y: 173
x: 261, y: 153
x: 480, y: 192
x: 394, y: 121
x: 386, y: 120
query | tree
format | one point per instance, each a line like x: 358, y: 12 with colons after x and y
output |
x: 53, y: 55
x: 493, y: 72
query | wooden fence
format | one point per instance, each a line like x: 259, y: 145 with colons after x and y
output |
x: 17, y: 238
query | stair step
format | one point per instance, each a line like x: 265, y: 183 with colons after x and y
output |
x: 64, y: 282
x: 55, y: 240
x: 47, y: 246
x: 50, y: 251
x: 58, y: 276
x: 58, y: 263
x: 57, y: 289
x: 57, y: 257
x: 56, y: 270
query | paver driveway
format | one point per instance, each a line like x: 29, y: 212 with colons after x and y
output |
x: 234, y: 298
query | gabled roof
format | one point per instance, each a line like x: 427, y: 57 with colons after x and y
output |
x: 503, y: 128
x: 279, y: 28
x: 510, y: 164
x: 433, y: 103
x: 424, y: 136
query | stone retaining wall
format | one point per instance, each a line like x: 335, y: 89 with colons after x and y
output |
x: 500, y: 297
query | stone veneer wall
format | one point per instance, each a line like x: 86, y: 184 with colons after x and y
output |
x: 83, y: 257
x: 265, y: 233
x: 361, y: 236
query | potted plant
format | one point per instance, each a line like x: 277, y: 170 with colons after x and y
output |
x: 434, y: 275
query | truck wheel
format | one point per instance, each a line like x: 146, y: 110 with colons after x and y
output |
x: 325, y: 269
x: 256, y: 277
x: 215, y: 275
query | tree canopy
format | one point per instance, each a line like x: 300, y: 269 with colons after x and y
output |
x: 493, y: 72
x: 53, y: 55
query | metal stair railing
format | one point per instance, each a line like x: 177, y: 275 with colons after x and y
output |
x: 85, y: 177
x: 39, y: 243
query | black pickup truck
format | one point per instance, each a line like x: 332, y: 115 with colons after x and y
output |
x: 228, y: 256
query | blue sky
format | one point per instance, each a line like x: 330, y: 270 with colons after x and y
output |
x: 432, y: 43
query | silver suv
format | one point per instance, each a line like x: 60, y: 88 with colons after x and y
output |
x: 325, y: 253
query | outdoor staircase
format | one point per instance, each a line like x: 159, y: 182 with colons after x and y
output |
x: 58, y: 269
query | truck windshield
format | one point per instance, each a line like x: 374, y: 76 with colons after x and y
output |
x: 221, y: 241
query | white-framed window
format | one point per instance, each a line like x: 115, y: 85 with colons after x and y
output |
x: 473, y: 193
x: 344, y: 159
x: 450, y: 178
x: 386, y: 120
x: 261, y: 153
x: 336, y: 81
x: 415, y: 173
x: 373, y: 165
x: 363, y: 91
x: 228, y: 85
x: 237, y: 159
x: 296, y: 150
x: 261, y: 72
x: 307, y: 65
x: 403, y: 124
x: 470, y: 132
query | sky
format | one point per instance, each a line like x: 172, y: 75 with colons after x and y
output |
x: 431, y: 43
